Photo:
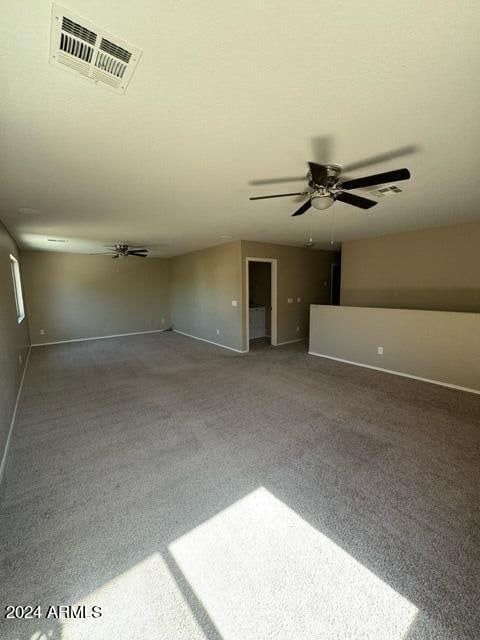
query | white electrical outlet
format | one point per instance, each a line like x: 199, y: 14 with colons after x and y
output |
x: 289, y: 300
x: 218, y: 332
x: 298, y: 329
x: 42, y: 332
x: 234, y: 303
x: 380, y: 351
x: 163, y: 320
x: 299, y: 299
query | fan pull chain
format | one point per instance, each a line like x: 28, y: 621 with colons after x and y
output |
x: 309, y: 239
x: 332, y: 236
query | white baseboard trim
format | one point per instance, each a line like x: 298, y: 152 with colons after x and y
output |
x: 279, y: 344
x: 3, y: 464
x: 217, y: 344
x: 115, y: 335
x: 396, y: 373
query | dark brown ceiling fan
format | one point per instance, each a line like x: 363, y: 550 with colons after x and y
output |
x: 123, y: 251
x: 326, y: 187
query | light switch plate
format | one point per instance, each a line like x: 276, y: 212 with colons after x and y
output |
x: 289, y: 300
x: 234, y: 303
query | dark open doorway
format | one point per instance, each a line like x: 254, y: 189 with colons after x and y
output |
x: 259, y: 302
x: 335, y: 290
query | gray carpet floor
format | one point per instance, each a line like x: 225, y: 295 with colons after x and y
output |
x: 192, y: 492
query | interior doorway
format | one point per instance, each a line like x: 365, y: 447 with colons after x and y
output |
x: 335, y: 283
x: 261, y: 292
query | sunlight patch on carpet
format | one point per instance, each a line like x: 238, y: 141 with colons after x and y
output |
x: 261, y: 571
x: 143, y: 602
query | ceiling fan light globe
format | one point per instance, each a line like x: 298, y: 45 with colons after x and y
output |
x: 322, y: 202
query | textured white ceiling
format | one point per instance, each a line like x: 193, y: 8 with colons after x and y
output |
x: 231, y: 92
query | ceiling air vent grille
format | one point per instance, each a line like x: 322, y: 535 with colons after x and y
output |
x: 116, y: 51
x: 385, y: 191
x: 81, y: 47
x: 76, y: 48
x: 110, y: 65
x: 78, y: 31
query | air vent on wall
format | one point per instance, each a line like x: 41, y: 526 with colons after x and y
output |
x: 78, y: 46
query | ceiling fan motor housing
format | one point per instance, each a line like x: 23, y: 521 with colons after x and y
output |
x: 322, y: 197
x: 333, y: 175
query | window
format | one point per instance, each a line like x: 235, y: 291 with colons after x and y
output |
x: 17, y: 287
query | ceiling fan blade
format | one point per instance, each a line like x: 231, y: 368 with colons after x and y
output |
x: 379, y: 178
x: 319, y: 173
x: 114, y: 257
x: 278, y: 195
x: 382, y: 157
x: 137, y: 254
x: 357, y: 201
x: 257, y: 183
x: 305, y: 207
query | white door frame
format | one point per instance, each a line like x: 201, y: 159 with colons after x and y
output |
x: 273, y: 323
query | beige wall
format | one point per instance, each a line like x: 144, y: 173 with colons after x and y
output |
x: 301, y: 273
x: 203, y: 285
x: 74, y: 296
x: 427, y: 269
x: 14, y: 341
x: 437, y: 345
